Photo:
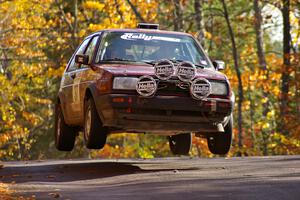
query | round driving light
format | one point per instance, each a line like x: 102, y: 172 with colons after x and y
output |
x: 186, y: 71
x: 164, y: 69
x: 200, y: 88
x: 146, y: 86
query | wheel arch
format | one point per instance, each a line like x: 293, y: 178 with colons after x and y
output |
x: 60, y: 101
x: 91, y: 92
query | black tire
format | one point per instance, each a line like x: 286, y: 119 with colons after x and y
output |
x: 64, y: 134
x: 180, y: 144
x: 94, y: 133
x: 220, y: 143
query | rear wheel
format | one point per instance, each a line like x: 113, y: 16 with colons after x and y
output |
x: 220, y: 143
x: 180, y: 144
x: 94, y: 133
x: 64, y: 134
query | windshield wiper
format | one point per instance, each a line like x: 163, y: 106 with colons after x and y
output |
x: 196, y: 64
x: 152, y: 62
x: 200, y: 65
x: 176, y: 60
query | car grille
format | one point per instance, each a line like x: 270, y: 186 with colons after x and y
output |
x: 173, y: 87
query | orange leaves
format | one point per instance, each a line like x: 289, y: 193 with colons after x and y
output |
x: 4, y: 138
x: 31, y: 118
x: 43, y: 101
x: 246, y: 105
x: 8, y: 194
x: 43, y: 41
x: 5, y: 193
x: 200, y: 148
x: 39, y: 39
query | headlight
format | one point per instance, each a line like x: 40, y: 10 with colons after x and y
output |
x: 125, y: 83
x: 218, y: 88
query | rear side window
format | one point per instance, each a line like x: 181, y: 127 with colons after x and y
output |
x: 72, y: 65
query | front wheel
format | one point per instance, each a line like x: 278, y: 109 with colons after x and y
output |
x: 180, y: 144
x: 94, y: 132
x: 220, y: 143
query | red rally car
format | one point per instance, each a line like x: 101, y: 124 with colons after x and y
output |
x: 144, y: 80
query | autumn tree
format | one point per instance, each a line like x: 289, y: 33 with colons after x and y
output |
x: 285, y: 74
x: 263, y: 66
x: 37, y: 40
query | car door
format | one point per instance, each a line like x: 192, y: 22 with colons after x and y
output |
x: 67, y: 86
x: 82, y: 80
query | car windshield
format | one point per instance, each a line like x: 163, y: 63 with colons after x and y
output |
x: 150, y: 47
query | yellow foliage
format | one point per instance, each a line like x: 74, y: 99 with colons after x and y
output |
x: 264, y: 100
x: 207, y: 35
x: 265, y: 125
x: 40, y: 31
x: 93, y: 5
x: 271, y: 114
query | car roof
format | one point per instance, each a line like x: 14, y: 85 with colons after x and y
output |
x: 142, y: 31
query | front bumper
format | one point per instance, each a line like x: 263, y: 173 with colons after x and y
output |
x: 132, y: 113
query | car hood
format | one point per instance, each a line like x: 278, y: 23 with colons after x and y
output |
x: 127, y: 70
x: 139, y: 70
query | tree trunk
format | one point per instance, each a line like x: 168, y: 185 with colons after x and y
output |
x: 238, y: 73
x: 262, y: 63
x: 136, y: 12
x: 178, y: 15
x: 119, y: 11
x: 252, y: 107
x: 297, y: 87
x: 71, y: 26
x: 297, y: 72
x: 286, y: 69
x: 259, y: 35
x: 198, y: 18
x: 210, y: 27
x: 74, y: 33
x: 4, y: 65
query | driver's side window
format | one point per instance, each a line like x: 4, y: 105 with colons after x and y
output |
x: 72, y: 65
x: 91, y: 48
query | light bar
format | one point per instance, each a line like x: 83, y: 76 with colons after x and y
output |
x: 147, y: 26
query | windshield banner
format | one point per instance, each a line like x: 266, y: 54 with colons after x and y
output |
x: 142, y: 36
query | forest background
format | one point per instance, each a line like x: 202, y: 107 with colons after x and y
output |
x: 258, y: 40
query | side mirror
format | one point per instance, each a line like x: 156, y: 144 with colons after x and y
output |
x: 82, y: 59
x: 219, y: 65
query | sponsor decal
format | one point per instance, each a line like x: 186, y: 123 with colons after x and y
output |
x: 186, y: 71
x: 76, y: 93
x: 143, y: 36
x: 164, y: 69
x: 200, y: 88
x: 146, y: 86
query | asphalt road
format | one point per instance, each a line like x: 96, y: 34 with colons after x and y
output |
x: 275, y: 178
